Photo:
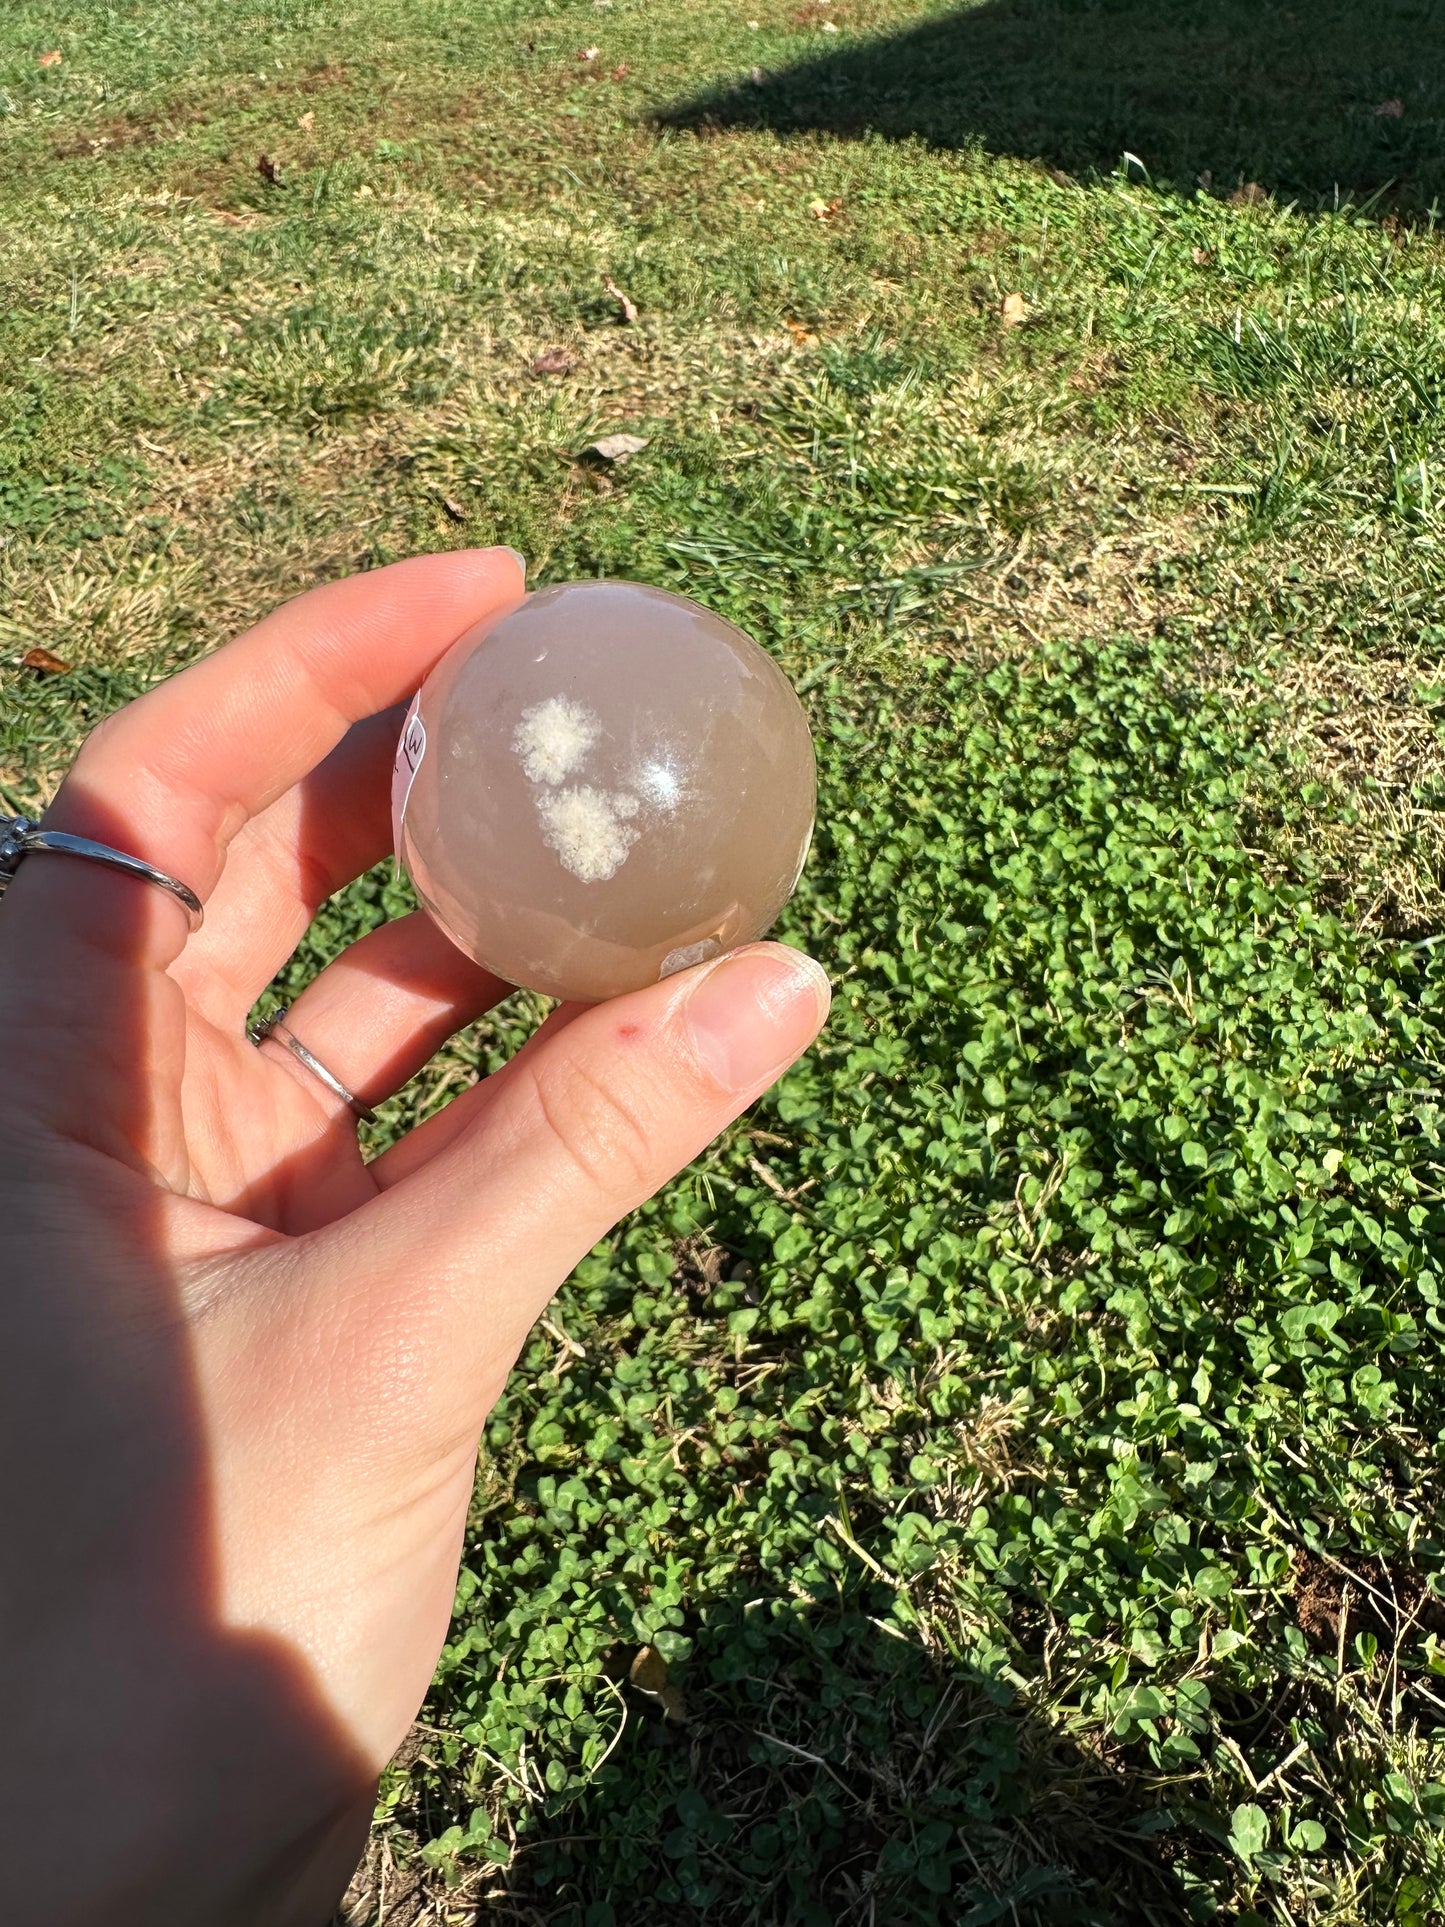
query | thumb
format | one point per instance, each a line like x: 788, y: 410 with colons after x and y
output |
x: 530, y: 1169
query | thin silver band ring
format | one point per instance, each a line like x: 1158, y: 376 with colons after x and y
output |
x: 273, y: 1026
x: 20, y: 837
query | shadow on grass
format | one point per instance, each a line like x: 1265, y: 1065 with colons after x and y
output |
x: 831, y: 1772
x: 821, y: 1770
x: 1323, y: 102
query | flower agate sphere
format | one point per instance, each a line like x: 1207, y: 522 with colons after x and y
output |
x: 602, y: 787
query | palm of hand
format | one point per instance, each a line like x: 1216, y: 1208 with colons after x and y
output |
x: 260, y: 1143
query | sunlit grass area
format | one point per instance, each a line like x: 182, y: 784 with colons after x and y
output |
x: 1001, y: 1481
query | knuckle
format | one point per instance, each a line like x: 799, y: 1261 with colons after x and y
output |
x: 110, y: 762
x: 98, y: 741
x: 314, y: 882
x: 599, y: 1125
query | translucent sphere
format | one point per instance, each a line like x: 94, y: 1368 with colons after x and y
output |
x: 602, y: 787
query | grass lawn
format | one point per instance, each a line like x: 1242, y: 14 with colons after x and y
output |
x: 1001, y: 1481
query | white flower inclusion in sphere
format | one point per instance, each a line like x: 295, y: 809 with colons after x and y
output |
x: 602, y: 787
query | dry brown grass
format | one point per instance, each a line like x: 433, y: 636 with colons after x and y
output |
x: 1363, y: 730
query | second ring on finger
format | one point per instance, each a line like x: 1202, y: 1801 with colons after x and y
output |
x: 375, y: 1016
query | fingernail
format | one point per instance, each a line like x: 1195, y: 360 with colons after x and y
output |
x: 754, y: 1012
x: 517, y: 556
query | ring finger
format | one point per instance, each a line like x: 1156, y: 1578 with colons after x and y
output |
x: 377, y: 1014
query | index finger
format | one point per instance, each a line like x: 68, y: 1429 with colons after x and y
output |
x: 181, y: 769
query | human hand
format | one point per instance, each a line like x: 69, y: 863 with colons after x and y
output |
x: 242, y: 1371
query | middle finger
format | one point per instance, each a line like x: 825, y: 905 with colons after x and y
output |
x: 284, y: 864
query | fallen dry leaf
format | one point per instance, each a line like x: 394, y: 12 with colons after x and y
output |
x: 556, y: 361
x: 269, y: 169
x: 648, y: 1671
x: 804, y: 337
x: 829, y: 26
x: 1201, y: 257
x: 45, y: 662
x: 1013, y: 311
x: 824, y: 210
x: 454, y: 509
x: 1251, y: 194
x: 585, y: 54
x: 307, y: 120
x: 619, y: 70
x: 624, y: 302
x: 49, y: 60
x: 1390, y: 110
x: 617, y: 449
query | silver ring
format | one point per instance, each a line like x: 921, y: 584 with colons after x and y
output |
x: 20, y: 837
x: 272, y: 1026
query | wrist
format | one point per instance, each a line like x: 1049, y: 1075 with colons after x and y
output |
x: 229, y: 1797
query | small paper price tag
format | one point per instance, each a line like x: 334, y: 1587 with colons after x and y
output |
x: 409, y: 752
